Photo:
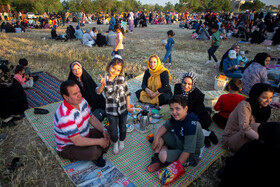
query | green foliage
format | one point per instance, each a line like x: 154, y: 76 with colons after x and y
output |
x: 169, y: 7
x: 4, y: 2
x: 256, y: 5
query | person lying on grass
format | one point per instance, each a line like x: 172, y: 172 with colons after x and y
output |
x: 180, y: 138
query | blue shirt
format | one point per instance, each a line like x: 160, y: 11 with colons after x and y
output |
x: 169, y: 45
x: 227, y: 63
x: 79, y: 34
x: 112, y: 23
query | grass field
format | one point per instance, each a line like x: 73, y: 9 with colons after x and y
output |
x: 40, y: 166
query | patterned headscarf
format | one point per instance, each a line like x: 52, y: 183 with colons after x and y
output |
x: 6, y: 78
x: 193, y: 77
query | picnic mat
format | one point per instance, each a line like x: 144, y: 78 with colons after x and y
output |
x: 133, y: 160
x: 44, y: 91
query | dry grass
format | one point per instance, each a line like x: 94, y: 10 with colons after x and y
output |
x: 40, y: 166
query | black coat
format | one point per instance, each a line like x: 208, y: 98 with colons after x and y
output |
x: 13, y: 100
x: 101, y: 40
x: 94, y: 100
x: 196, y: 105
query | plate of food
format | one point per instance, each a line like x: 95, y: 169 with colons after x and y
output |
x: 129, y: 127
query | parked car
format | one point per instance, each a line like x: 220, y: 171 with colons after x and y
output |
x: 30, y: 15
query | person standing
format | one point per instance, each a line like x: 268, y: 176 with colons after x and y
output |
x: 215, y: 43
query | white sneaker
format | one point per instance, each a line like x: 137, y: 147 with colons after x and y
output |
x: 116, y: 148
x: 216, y: 63
x: 121, y: 146
x: 208, y: 61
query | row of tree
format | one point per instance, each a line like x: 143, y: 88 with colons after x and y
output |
x: 90, y: 6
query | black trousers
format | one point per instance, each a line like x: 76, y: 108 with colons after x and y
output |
x: 211, y: 52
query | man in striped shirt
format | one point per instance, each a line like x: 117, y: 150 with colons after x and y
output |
x: 74, y: 139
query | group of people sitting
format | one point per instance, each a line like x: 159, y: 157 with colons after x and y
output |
x: 181, y: 138
x: 90, y: 38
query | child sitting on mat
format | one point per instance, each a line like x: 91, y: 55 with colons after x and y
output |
x: 180, y: 138
x: 227, y: 102
x: 27, y: 73
x: 117, y: 98
x: 21, y: 78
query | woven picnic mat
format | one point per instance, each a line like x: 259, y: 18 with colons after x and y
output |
x: 44, y: 91
x: 136, y: 156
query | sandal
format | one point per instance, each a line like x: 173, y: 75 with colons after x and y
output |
x: 40, y: 111
x: 14, y: 164
x: 3, y: 137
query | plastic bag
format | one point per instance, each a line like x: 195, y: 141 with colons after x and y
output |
x: 171, y: 173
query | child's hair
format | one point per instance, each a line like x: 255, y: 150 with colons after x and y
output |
x: 235, y: 84
x: 181, y: 100
x: 115, y: 61
x: 19, y: 68
x: 118, y: 26
x: 23, y: 62
x: 171, y: 33
x: 215, y: 26
x: 93, y: 29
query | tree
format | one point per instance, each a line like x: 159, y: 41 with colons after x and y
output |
x: 158, y: 7
x: 179, y: 7
x: 5, y: 2
x: 65, y: 5
x: 256, y: 5
x: 169, y: 7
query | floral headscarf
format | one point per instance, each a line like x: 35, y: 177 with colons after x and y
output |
x: 193, y: 77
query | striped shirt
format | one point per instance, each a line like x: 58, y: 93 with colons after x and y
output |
x: 116, y: 92
x: 69, y: 122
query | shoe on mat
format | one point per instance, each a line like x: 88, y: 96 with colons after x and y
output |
x: 40, y: 111
x: 116, y: 148
x: 155, y: 164
x: 213, y: 138
x: 100, y: 162
x: 121, y: 146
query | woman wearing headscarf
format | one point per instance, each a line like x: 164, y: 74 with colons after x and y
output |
x: 195, y: 100
x: 12, y: 97
x: 256, y: 162
x: 87, y: 87
x: 245, y: 119
x: 155, y: 85
x: 131, y: 21
x: 255, y: 72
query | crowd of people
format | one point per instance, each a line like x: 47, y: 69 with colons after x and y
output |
x: 243, y: 118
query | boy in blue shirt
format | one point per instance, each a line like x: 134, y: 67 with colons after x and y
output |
x: 169, y: 47
x: 180, y: 138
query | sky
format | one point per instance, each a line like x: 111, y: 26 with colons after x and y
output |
x: 162, y: 2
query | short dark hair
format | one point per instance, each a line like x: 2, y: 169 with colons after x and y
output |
x: 23, y: 62
x: 235, y: 84
x: 215, y: 26
x: 114, y: 62
x: 93, y: 28
x: 171, y: 33
x: 19, y: 68
x: 181, y: 100
x: 64, y: 87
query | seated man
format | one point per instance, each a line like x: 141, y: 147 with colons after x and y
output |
x: 87, y: 40
x: 74, y: 139
x: 180, y: 138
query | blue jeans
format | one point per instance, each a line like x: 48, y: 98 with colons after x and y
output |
x: 118, y: 52
x: 235, y: 74
x: 168, y: 55
x: 114, y: 123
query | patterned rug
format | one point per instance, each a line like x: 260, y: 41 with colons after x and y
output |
x: 44, y: 91
x: 133, y: 160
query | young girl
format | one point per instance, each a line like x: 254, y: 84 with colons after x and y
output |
x: 19, y: 76
x: 117, y: 98
x: 118, y: 41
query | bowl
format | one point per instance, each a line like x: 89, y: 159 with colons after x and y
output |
x: 156, y: 116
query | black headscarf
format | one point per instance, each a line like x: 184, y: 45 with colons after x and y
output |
x: 259, y: 58
x: 88, y: 86
x: 269, y: 134
x: 261, y: 114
